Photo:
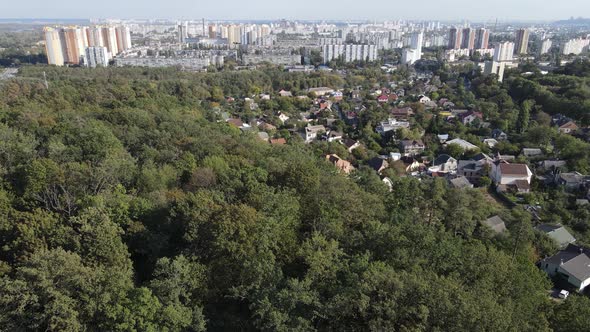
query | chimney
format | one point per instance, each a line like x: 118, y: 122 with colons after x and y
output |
x: 561, y: 263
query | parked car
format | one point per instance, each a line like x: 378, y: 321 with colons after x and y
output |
x: 563, y: 294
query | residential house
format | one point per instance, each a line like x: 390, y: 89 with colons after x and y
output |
x: 403, y: 113
x: 569, y: 127
x: 552, y: 164
x: 571, y: 264
x: 412, y: 147
x: 443, y: 138
x: 499, y: 135
x: 391, y: 125
x: 263, y: 136
x: 334, y: 135
x: 343, y: 165
x: 490, y: 142
x: 324, y: 104
x: 264, y: 96
x: 442, y: 101
x: 496, y: 224
x: 459, y: 112
x: 517, y: 176
x: 266, y: 126
x: 395, y: 156
x: 422, y: 99
x: 337, y: 95
x: 446, y: 104
x: 532, y: 152
x: 444, y: 164
x: 383, y: 98
x: 378, y: 164
x: 572, y: 181
x: 505, y: 157
x: 351, y: 118
x: 321, y: 91
x: 234, y: 122
x: 311, y: 132
x: 409, y: 164
x: 462, y: 143
x: 475, y: 168
x: 284, y: 93
x: 283, y: 117
x: 565, y: 125
x: 469, y: 118
x: 350, y: 144
x: 278, y: 141
x: 557, y: 233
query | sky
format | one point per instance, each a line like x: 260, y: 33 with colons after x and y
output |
x: 472, y: 10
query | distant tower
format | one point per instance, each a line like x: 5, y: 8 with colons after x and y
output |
x: 522, y: 41
x: 482, y: 37
x: 53, y: 47
x: 182, y: 33
x: 468, y: 38
x: 454, y: 39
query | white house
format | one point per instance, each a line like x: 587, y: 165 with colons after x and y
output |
x: 311, y: 132
x: 283, y: 118
x: 444, y: 164
x: 423, y: 99
x: 391, y: 125
x: 571, y: 264
x: 516, y: 175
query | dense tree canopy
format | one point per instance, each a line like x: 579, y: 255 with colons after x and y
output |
x: 128, y: 206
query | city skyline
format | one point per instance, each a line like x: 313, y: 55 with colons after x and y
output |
x: 503, y: 10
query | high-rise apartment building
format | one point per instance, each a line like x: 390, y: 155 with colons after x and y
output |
x: 496, y: 68
x: 482, y: 37
x: 575, y: 46
x: 468, y: 39
x: 53, y: 47
x: 414, y: 53
x: 97, y: 56
x: 545, y: 46
x: 223, y: 31
x: 349, y: 52
x: 522, y: 41
x: 94, y: 35
x: 455, y: 37
x: 416, y: 41
x: 73, y: 45
x: 212, y: 31
x: 233, y: 35
x: 123, y: 35
x: 504, y: 51
x: 182, y: 32
x: 109, y: 36
x: 69, y: 45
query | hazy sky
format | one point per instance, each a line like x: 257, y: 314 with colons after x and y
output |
x: 300, y: 9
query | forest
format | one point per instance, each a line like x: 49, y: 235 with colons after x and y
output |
x: 129, y: 205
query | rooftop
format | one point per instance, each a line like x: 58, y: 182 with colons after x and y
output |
x: 515, y: 169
